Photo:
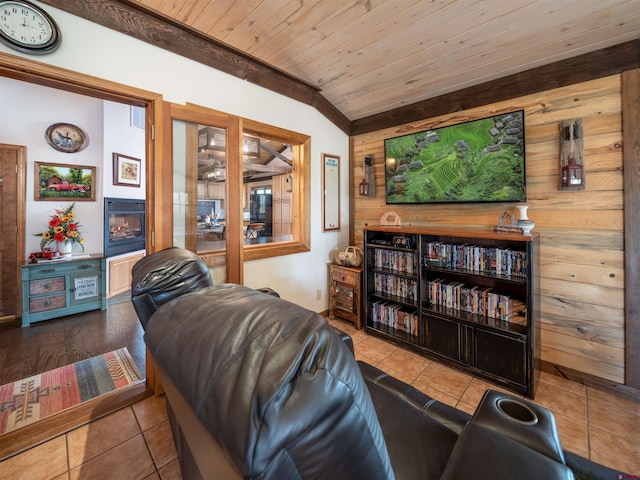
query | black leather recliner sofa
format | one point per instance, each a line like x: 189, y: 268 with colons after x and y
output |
x: 258, y: 387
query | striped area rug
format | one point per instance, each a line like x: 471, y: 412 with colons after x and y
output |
x: 33, y: 398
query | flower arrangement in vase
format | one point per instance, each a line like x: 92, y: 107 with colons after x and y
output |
x: 62, y: 229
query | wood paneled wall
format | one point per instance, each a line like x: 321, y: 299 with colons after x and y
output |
x: 581, y: 232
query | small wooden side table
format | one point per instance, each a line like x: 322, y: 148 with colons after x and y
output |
x: 345, y: 297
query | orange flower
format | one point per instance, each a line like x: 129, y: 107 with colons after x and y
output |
x: 62, y: 228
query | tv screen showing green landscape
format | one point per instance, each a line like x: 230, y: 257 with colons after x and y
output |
x: 476, y: 161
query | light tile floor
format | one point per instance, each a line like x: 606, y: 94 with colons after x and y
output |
x: 591, y: 423
x: 136, y: 443
x: 133, y: 443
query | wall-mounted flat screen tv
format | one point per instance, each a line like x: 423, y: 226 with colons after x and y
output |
x: 477, y: 161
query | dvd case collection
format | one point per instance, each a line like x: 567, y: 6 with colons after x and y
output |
x: 406, y: 288
x: 476, y: 300
x: 403, y: 262
x: 394, y: 316
x: 475, y: 258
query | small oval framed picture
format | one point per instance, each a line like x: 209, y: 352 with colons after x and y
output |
x: 126, y: 170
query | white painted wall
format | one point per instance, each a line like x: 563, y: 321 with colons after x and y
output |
x: 97, y: 51
x: 27, y: 111
x: 121, y: 137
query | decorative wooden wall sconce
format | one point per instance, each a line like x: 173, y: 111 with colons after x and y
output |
x: 367, y: 187
x: 572, y: 175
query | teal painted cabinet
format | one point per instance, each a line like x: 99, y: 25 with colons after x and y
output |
x: 64, y: 287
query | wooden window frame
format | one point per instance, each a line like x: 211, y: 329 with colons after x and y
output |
x: 236, y: 252
x: 301, y: 187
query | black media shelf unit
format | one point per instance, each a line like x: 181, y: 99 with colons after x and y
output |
x: 467, y: 297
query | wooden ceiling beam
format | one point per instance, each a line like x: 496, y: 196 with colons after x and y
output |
x: 257, y: 167
x: 275, y: 153
x: 601, y: 63
x: 135, y: 20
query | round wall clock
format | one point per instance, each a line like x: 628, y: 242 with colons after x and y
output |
x: 66, y: 137
x: 27, y: 28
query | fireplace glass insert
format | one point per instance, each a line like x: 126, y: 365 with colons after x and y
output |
x: 124, y: 226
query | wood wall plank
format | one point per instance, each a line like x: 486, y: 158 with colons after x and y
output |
x: 581, y: 232
x: 612, y: 356
x: 583, y: 256
x: 608, y: 277
x: 587, y: 293
x: 570, y: 360
x: 569, y: 315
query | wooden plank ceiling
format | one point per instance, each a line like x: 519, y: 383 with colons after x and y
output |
x: 371, y: 56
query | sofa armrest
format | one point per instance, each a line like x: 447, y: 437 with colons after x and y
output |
x: 420, y: 432
x: 585, y: 469
x: 485, y: 454
x: 449, y: 417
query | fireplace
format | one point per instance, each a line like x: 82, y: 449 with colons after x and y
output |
x: 124, y: 226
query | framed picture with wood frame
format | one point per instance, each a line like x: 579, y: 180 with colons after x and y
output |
x: 330, y: 192
x: 126, y: 170
x: 57, y: 181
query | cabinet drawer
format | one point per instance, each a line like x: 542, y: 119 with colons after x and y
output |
x: 85, y: 267
x: 47, y: 270
x: 63, y: 267
x: 41, y: 304
x: 345, y: 276
x: 46, y: 285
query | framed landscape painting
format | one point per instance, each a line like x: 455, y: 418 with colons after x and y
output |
x: 56, y: 181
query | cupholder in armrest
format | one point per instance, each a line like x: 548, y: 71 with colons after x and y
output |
x: 517, y: 411
x: 525, y: 422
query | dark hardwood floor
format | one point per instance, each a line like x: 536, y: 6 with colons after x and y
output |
x: 54, y: 343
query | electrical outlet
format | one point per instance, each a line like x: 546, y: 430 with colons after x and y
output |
x: 318, y: 294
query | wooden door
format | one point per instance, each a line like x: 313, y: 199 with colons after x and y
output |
x: 276, y: 207
x: 287, y: 222
x: 282, y: 217
x: 12, y: 189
